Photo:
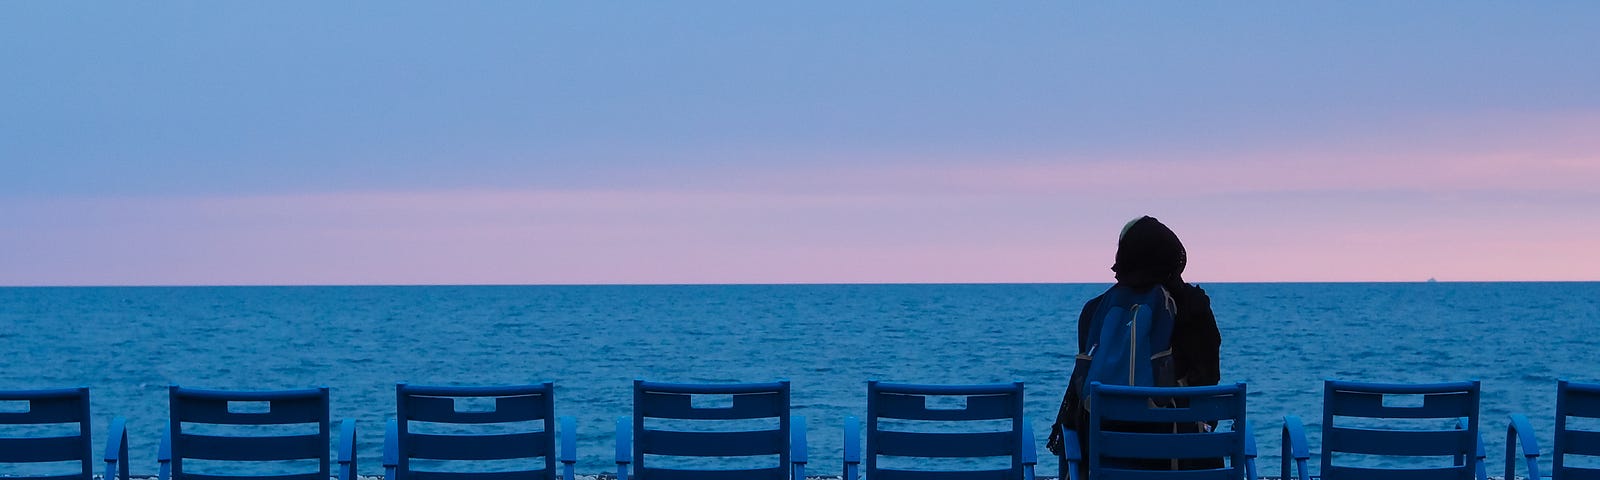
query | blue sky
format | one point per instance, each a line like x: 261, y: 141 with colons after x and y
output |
x: 505, y: 142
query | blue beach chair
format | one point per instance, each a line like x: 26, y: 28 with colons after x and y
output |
x: 513, y: 405
x: 1581, y: 400
x: 254, y: 423
x: 905, y: 404
x: 59, y: 406
x: 1116, y: 403
x: 756, y: 423
x: 1444, y: 402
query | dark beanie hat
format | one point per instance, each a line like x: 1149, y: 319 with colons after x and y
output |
x: 1149, y: 253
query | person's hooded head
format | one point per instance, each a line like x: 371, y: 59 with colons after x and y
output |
x: 1148, y: 253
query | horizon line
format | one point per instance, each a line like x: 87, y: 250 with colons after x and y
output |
x: 750, y: 284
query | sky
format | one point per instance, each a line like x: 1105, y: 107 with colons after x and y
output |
x: 398, y: 142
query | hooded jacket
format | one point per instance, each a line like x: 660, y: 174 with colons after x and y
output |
x: 1150, y: 254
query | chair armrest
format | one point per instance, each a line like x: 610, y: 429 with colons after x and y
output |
x: 164, y: 455
x: 1521, y: 430
x: 797, y: 447
x: 569, y: 446
x: 1071, y: 454
x: 852, y: 448
x: 347, y: 449
x: 624, y: 446
x: 1295, y: 448
x: 116, y: 456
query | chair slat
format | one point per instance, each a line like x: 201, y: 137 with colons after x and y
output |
x: 1138, y: 409
x: 1577, y: 473
x: 46, y: 393
x: 506, y: 475
x: 283, y: 411
x: 251, y: 449
x: 1578, y: 400
x: 892, y: 474
x: 1580, y: 442
x: 712, y: 444
x: 296, y: 476
x: 774, y: 473
x: 1168, y: 445
x: 73, y: 476
x: 944, y: 445
x: 546, y: 388
x: 679, y: 406
x: 711, y: 388
x: 44, y: 449
x: 47, y: 410
x: 1581, y: 403
x: 915, y: 407
x: 1125, y: 474
x: 478, y: 447
x: 935, y: 389
x: 1335, y: 472
x: 1370, y: 405
x: 1398, y: 442
x: 507, y: 409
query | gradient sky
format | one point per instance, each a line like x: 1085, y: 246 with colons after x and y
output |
x: 752, y: 142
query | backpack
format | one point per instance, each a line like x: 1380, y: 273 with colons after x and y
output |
x: 1130, y: 335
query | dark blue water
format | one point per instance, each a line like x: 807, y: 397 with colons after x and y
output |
x: 128, y: 344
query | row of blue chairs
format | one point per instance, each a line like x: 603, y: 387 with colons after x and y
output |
x: 1357, y: 419
x: 430, y: 431
x: 669, y: 420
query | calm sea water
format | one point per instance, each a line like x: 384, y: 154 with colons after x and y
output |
x: 128, y: 344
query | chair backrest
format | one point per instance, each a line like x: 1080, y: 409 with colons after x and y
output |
x: 515, y: 408
x: 667, y: 423
x: 1575, y: 400
x: 909, y: 419
x: 1444, y: 404
x: 45, y: 407
x: 1123, y: 405
x: 201, y: 423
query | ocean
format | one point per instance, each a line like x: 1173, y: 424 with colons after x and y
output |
x: 1282, y: 340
